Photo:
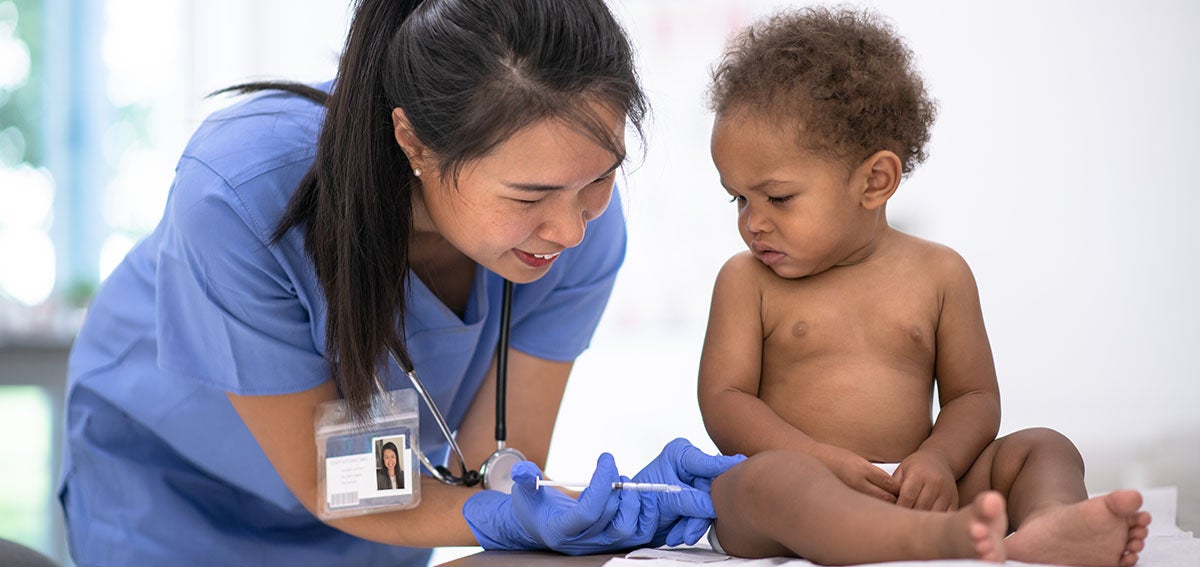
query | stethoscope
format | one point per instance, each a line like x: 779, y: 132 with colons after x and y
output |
x: 496, y: 471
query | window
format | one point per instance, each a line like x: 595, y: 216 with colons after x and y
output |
x: 97, y: 99
x: 26, y: 186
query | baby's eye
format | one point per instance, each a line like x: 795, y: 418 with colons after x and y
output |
x: 737, y: 199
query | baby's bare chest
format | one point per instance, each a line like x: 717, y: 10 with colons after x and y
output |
x: 868, y: 319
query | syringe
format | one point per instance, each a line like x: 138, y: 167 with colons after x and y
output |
x: 638, y: 486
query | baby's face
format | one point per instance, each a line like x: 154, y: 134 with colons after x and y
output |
x: 800, y: 214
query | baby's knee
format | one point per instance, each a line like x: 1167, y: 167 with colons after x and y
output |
x: 1044, y: 438
x: 754, y: 482
x: 780, y: 465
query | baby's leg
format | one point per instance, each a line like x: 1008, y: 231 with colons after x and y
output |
x: 1041, y: 474
x: 786, y: 503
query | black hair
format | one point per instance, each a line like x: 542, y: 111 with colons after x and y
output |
x: 468, y: 74
x: 390, y: 446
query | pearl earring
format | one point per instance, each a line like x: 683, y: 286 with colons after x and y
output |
x: 417, y: 171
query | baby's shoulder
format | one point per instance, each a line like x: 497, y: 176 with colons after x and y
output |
x: 742, y: 274
x: 744, y: 267
x: 742, y: 261
x: 932, y: 258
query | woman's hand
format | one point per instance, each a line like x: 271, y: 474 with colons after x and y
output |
x: 683, y: 517
x: 601, y: 520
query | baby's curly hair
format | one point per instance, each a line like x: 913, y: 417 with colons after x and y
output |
x: 843, y: 76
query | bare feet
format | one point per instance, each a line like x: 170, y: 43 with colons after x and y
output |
x: 985, y: 523
x: 1105, y: 531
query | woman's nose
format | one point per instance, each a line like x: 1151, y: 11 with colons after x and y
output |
x: 567, y: 225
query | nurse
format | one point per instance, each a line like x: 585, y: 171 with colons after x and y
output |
x: 309, y: 231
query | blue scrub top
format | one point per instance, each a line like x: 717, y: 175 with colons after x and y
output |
x: 158, y: 467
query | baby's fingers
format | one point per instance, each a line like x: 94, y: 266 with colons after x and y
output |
x: 909, y: 493
x: 883, y: 480
x: 947, y: 502
x: 928, y: 498
x: 865, y: 487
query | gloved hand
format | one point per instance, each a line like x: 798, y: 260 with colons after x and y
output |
x: 601, y: 520
x: 683, y: 517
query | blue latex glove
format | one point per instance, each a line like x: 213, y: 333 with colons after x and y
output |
x: 601, y: 520
x: 683, y: 517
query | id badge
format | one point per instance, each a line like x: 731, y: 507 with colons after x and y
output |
x: 366, y: 467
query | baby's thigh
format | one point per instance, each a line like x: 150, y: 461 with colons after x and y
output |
x: 997, y: 466
x: 1003, y: 460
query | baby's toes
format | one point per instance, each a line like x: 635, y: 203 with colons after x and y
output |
x: 1138, y: 532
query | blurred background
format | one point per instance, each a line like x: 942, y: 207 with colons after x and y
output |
x: 1062, y: 169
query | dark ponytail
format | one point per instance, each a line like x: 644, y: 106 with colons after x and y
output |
x: 468, y: 74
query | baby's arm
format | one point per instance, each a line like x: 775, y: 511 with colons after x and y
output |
x: 730, y: 371
x: 970, y: 399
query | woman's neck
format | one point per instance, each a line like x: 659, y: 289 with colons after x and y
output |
x: 446, y: 271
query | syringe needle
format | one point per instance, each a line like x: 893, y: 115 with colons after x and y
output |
x: 638, y: 486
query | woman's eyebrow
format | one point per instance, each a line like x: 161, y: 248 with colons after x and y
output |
x: 542, y: 188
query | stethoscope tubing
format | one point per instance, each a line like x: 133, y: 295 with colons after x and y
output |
x: 502, y: 454
x: 437, y: 471
x: 502, y: 365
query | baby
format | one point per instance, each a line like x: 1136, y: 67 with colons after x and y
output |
x: 827, y: 336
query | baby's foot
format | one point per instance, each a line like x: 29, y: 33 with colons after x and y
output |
x: 1105, y: 531
x: 984, y: 523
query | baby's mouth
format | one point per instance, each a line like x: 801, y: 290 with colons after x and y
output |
x: 767, y: 255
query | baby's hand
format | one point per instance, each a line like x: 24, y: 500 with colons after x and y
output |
x: 926, y: 483
x: 858, y: 473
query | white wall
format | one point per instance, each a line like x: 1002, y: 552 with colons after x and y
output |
x: 1059, y: 168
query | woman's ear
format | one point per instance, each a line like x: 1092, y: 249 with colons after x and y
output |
x: 881, y: 174
x: 412, y: 147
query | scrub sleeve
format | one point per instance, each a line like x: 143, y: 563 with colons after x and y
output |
x: 158, y: 467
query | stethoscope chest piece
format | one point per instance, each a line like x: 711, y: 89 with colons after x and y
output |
x: 497, y: 470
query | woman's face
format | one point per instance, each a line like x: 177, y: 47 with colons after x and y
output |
x: 516, y: 209
x: 389, y: 460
